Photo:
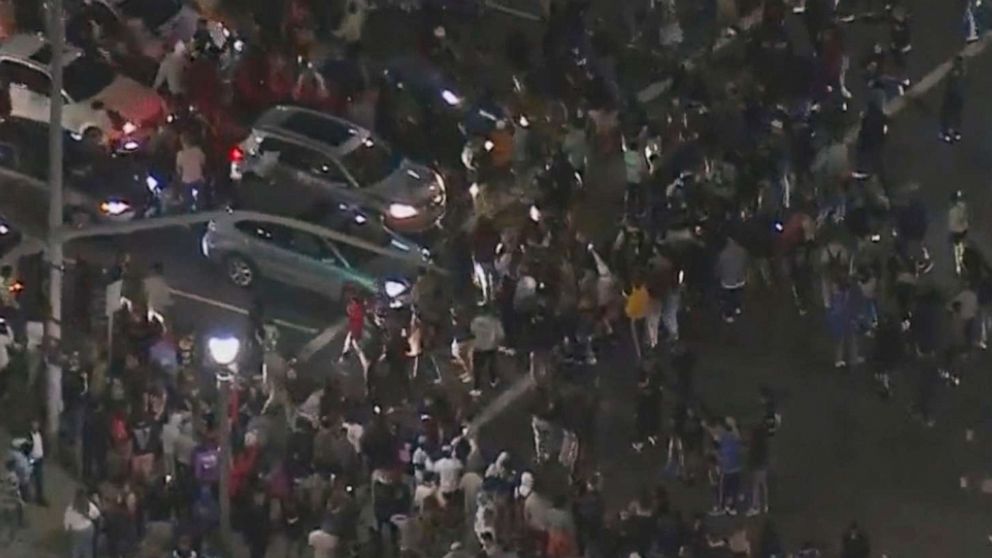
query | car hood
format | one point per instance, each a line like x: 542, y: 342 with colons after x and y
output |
x: 411, y: 183
x: 133, y: 101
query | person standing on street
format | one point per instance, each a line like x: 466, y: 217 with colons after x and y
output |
x: 158, y: 296
x: 957, y: 228
x: 758, y: 460
x: 38, y: 463
x: 637, y: 171
x: 172, y: 72
x: 648, y: 408
x: 191, y: 166
x: 855, y: 543
x: 488, y: 334
x: 11, y: 503
x: 952, y: 107
x: 731, y: 268
x: 80, y: 522
x: 728, y: 445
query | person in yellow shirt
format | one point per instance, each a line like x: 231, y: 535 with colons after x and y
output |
x: 636, y: 309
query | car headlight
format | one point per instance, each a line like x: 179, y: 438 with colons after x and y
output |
x: 451, y: 98
x: 394, y: 289
x: 129, y: 128
x: 114, y: 208
x: 402, y: 211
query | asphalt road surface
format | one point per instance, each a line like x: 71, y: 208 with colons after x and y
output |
x: 842, y: 453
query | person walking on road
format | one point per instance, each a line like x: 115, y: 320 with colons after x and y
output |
x: 158, y: 295
x: 355, y: 311
x: 957, y: 228
x: 952, y: 107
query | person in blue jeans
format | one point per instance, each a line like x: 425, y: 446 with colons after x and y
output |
x: 728, y: 445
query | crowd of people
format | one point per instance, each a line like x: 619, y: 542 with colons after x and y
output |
x: 730, y: 186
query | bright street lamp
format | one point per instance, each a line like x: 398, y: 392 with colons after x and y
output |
x: 224, y: 350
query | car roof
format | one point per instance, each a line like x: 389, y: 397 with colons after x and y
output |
x: 33, y: 47
x: 330, y: 133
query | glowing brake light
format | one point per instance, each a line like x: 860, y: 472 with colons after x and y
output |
x: 236, y: 155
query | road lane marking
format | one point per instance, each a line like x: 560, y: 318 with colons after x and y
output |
x: 30, y: 245
x: 917, y: 90
x: 513, y: 11
x: 320, y: 341
x: 503, y: 401
x: 238, y: 310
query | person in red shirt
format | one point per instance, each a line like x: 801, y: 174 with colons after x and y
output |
x: 355, y: 311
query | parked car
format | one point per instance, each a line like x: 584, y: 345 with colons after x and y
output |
x: 342, y: 163
x: 99, y: 102
x: 249, y: 249
x: 98, y: 186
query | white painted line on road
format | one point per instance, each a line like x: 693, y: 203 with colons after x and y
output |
x: 502, y: 402
x: 513, y: 11
x: 320, y: 341
x: 917, y: 90
x: 30, y: 245
x: 658, y: 88
x: 239, y: 310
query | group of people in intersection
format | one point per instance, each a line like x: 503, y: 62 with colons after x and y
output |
x: 726, y: 189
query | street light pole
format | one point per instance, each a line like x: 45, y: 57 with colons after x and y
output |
x: 53, y: 327
x: 224, y: 381
x: 224, y: 352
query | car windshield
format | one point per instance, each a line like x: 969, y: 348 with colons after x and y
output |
x: 371, y: 162
x: 85, y: 77
x: 153, y: 13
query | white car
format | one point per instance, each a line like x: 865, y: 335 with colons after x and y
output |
x: 99, y: 102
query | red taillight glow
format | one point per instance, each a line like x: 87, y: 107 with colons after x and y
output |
x: 236, y: 155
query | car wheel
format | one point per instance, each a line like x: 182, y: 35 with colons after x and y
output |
x: 240, y: 271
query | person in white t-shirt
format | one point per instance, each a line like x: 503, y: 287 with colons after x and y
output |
x: 449, y: 471
x: 323, y: 542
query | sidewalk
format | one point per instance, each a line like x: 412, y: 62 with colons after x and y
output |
x: 44, y: 536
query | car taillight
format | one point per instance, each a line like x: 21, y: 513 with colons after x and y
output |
x: 236, y: 155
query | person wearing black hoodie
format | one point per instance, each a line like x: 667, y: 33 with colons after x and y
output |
x: 255, y: 526
x: 855, y: 542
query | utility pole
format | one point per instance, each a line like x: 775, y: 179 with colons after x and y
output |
x: 224, y: 381
x: 53, y: 327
